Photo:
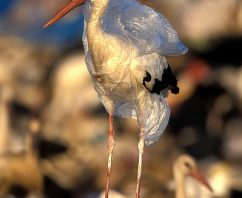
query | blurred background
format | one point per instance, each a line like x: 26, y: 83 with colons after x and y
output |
x: 53, y: 129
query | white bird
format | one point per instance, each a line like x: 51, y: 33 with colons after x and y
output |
x: 125, y: 43
x: 183, y: 167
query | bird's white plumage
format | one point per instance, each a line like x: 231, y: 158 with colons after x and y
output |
x: 145, y: 28
x: 131, y: 41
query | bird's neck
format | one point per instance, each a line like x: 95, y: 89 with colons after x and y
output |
x: 97, y: 38
x: 180, y: 185
x: 97, y: 12
x: 98, y: 9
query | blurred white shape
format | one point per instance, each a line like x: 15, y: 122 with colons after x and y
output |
x: 112, y: 194
x: 72, y: 87
x: 231, y: 79
x: 220, y: 177
x: 233, y: 140
x: 5, y: 131
x: 204, y: 19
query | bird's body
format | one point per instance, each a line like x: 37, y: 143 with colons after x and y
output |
x: 125, y: 43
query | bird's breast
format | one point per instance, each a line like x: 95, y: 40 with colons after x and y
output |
x: 112, y: 73
x: 112, y: 59
x: 110, y: 54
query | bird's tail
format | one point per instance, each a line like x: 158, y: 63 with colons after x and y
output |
x: 151, y: 111
x: 153, y: 114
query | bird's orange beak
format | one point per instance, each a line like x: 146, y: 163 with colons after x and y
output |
x: 199, y: 177
x: 64, y: 10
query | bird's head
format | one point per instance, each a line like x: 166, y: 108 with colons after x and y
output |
x: 69, y: 6
x: 185, y: 166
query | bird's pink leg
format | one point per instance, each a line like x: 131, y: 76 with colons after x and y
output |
x: 110, y: 152
x: 141, y: 151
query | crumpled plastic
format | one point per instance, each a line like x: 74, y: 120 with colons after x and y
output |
x: 145, y: 37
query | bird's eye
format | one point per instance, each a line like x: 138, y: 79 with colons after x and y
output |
x: 187, y: 165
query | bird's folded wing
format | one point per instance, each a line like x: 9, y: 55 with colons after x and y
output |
x: 148, y: 30
x: 145, y: 28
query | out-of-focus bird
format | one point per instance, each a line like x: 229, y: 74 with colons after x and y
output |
x: 5, y: 98
x: 195, y: 16
x: 125, y: 43
x: 225, y: 177
x: 185, y: 166
x: 231, y: 79
x: 22, y: 170
x: 70, y: 77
